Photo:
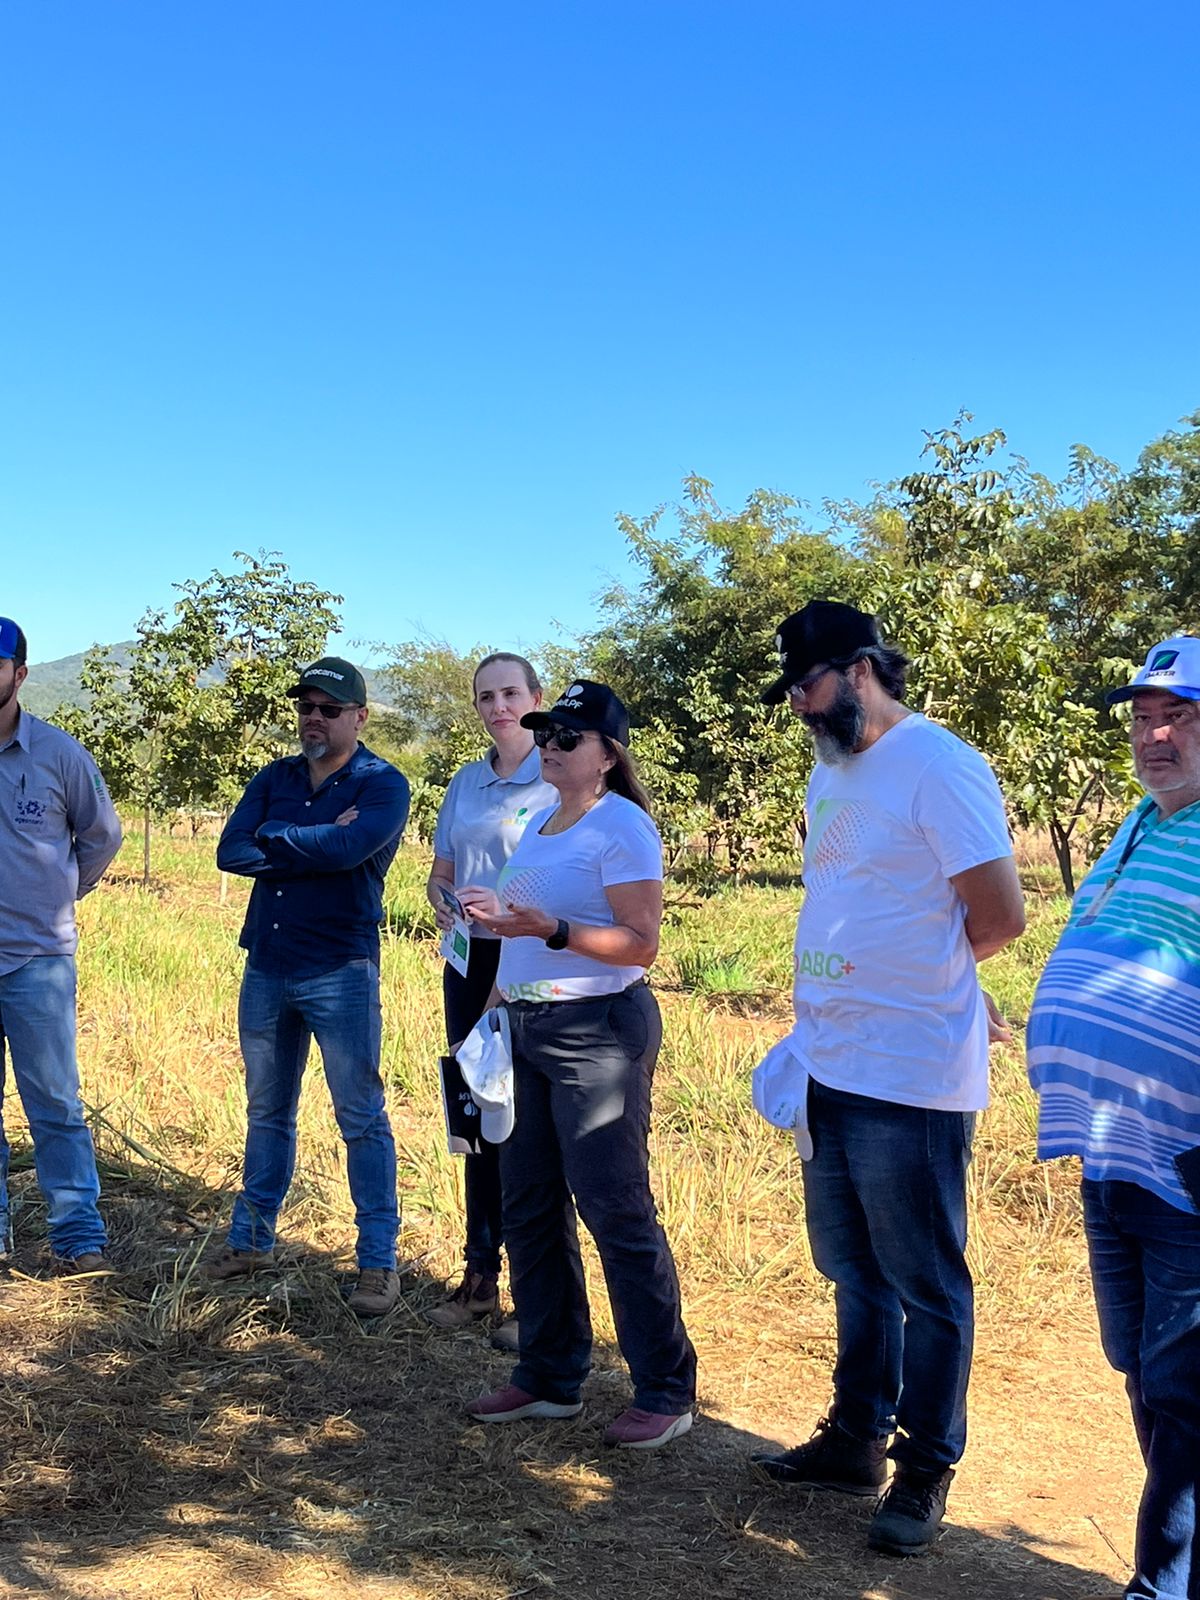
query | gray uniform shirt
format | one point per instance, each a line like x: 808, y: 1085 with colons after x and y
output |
x: 483, y: 816
x: 58, y: 832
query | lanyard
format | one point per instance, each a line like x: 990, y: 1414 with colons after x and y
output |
x: 1136, y: 834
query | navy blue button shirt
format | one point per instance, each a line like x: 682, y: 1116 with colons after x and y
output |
x: 317, y: 900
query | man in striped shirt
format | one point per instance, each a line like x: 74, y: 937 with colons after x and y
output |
x: 1114, y: 1051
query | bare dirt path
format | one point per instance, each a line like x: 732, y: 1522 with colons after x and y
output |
x: 160, y: 1443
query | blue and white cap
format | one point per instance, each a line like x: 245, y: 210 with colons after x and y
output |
x: 12, y: 642
x: 1173, y: 665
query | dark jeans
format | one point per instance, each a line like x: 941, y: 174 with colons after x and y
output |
x: 885, y: 1196
x: 1145, y: 1258
x: 583, y: 1070
x: 465, y: 1002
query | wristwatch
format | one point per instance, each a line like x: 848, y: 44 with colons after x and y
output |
x: 558, y: 939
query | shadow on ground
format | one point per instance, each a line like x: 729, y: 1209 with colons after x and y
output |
x: 162, y: 1439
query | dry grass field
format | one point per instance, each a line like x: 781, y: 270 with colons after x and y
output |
x: 159, y: 1439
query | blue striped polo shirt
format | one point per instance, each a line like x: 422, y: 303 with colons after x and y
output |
x: 1114, y: 1033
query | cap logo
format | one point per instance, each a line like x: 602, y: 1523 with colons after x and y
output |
x: 576, y: 688
x: 1164, y: 661
x: 324, y: 672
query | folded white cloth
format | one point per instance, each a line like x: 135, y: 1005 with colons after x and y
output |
x: 485, y: 1061
x: 779, y: 1084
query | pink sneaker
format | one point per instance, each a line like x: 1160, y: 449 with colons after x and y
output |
x: 636, y: 1429
x: 510, y: 1404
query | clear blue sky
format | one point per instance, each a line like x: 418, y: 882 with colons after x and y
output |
x: 422, y: 295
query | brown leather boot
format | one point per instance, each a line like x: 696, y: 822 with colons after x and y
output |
x: 376, y: 1292
x: 475, y: 1297
x: 91, y: 1264
x: 231, y: 1263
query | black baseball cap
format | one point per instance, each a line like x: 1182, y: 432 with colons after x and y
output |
x: 339, y: 679
x: 824, y: 631
x: 12, y: 642
x: 587, y: 707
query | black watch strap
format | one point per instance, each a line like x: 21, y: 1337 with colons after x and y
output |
x: 558, y: 939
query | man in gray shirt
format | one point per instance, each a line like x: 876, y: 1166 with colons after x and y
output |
x: 58, y: 832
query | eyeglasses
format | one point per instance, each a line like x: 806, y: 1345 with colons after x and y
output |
x: 305, y: 708
x: 805, y: 686
x: 565, y: 738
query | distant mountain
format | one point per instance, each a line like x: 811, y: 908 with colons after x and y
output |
x: 55, y: 683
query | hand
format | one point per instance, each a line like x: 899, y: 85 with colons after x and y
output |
x: 442, y: 914
x: 509, y: 921
x: 347, y: 817
x: 479, y: 903
x: 999, y: 1031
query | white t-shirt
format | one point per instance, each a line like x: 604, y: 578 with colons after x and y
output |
x: 887, y: 999
x: 566, y: 875
x: 482, y: 818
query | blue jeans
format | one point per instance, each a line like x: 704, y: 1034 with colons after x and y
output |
x: 582, y: 1074
x: 277, y: 1018
x: 885, y: 1198
x: 37, y: 1031
x: 1145, y: 1258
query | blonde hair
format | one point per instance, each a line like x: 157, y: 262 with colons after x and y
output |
x: 532, y: 682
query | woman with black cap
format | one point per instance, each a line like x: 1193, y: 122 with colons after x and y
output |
x: 579, y: 907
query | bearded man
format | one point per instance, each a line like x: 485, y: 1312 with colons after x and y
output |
x: 909, y: 883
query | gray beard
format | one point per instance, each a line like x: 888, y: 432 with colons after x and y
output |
x: 837, y: 732
x: 831, y: 751
x: 314, y: 749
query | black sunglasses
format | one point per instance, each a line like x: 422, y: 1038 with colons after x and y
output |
x: 805, y: 685
x: 305, y: 708
x: 565, y: 738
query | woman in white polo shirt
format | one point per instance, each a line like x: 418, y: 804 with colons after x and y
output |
x: 578, y: 909
x: 481, y: 820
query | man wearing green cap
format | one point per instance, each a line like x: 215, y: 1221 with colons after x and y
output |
x: 317, y: 833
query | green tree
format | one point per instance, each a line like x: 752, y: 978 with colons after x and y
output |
x: 691, y: 648
x: 433, y: 715
x: 202, y: 705
x: 1012, y: 597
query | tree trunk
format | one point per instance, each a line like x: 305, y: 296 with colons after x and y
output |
x: 1060, y: 839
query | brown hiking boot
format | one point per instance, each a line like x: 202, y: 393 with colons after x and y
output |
x: 376, y: 1292
x: 231, y: 1263
x: 475, y: 1297
x: 91, y: 1264
x: 508, y: 1336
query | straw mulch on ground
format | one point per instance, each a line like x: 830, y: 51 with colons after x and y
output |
x: 159, y: 1439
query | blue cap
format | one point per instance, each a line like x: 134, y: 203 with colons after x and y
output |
x: 12, y: 642
x: 1173, y: 665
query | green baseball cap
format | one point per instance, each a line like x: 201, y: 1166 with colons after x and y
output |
x: 339, y: 680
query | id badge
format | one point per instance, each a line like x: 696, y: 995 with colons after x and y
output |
x: 456, y: 946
